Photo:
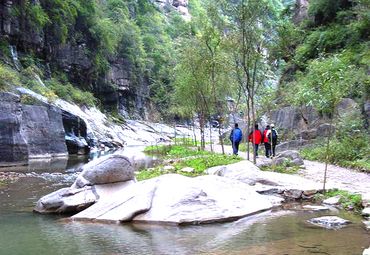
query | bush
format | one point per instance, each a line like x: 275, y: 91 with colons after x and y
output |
x: 70, y: 93
x: 347, y: 152
x: 8, y: 77
x: 348, y: 200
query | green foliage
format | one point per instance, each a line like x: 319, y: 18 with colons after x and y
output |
x: 185, y: 157
x: 326, y: 82
x: 348, y: 200
x: 71, y: 93
x: 349, y: 151
x: 175, y: 151
x: 202, y: 163
x: 325, y: 11
x: 285, y: 168
x: 8, y: 77
x: 36, y: 15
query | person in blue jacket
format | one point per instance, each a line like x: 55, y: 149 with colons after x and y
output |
x: 236, y: 136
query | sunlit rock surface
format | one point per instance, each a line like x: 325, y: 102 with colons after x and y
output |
x: 176, y: 199
x: 289, y: 186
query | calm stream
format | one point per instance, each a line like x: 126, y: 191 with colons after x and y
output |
x: 279, y: 232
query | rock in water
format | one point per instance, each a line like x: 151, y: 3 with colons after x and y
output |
x: 329, y: 222
x: 99, y: 179
x: 109, y: 169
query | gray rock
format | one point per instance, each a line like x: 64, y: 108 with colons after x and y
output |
x: 29, y: 131
x: 366, y: 251
x: 332, y: 200
x: 329, y: 222
x: 66, y: 200
x: 290, y: 145
x: 325, y: 129
x: 294, y: 118
x: 366, y: 212
x: 315, y: 208
x: 202, y: 199
x: 293, y: 194
x: 13, y: 144
x: 348, y: 107
x: 109, y: 169
x: 44, y: 132
x: 73, y: 200
x: 290, y: 154
x: 300, y: 11
x: 366, y: 200
x: 245, y: 171
x: 308, y: 134
x: 367, y: 224
x: 196, y: 200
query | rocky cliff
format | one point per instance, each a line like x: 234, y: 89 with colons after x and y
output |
x: 74, y: 41
x: 29, y: 131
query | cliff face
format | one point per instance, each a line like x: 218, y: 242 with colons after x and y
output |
x: 29, y: 131
x: 74, y: 44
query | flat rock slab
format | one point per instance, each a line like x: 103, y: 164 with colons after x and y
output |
x: 176, y: 199
x: 266, y: 182
x: 315, y: 208
x: 329, y: 222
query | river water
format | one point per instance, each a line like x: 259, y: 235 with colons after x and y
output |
x: 276, y: 232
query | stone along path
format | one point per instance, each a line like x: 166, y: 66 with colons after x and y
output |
x: 337, y: 177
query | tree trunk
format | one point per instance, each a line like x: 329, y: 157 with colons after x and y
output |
x: 327, y: 152
x: 248, y: 128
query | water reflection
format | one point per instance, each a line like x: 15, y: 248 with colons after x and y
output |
x: 278, y: 232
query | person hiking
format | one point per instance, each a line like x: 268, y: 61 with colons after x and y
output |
x: 266, y: 141
x: 236, y: 136
x: 255, y: 137
x: 273, y: 138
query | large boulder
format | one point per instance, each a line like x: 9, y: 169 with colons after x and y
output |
x: 98, y: 179
x: 73, y: 200
x: 177, y: 199
x: 109, y: 169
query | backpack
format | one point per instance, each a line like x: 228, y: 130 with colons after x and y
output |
x: 273, y: 136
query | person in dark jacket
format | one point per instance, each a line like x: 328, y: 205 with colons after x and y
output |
x: 273, y: 138
x: 266, y: 141
x: 235, y: 138
x: 255, y: 137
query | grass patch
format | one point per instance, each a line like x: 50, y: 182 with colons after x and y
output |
x: 286, y: 168
x: 175, y: 151
x: 200, y: 161
x: 348, y: 201
x: 346, y: 152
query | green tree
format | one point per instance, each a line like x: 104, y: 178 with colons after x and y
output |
x: 325, y: 83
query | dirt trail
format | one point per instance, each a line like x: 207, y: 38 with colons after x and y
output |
x: 338, y: 177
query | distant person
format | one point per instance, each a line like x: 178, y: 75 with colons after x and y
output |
x: 255, y: 137
x: 273, y: 138
x: 266, y: 141
x: 236, y: 136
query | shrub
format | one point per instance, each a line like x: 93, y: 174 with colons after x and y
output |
x: 348, y: 200
x: 8, y: 77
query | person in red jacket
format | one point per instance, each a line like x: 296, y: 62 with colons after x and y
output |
x: 255, y: 137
